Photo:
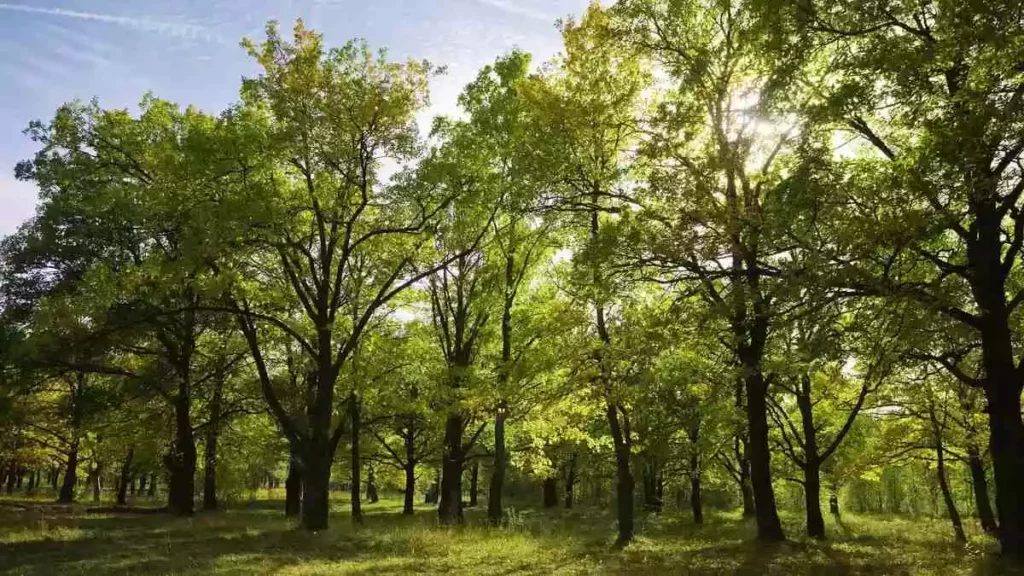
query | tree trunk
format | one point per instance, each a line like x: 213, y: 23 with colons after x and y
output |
x: 450, y: 509
x: 410, y: 490
x: 769, y: 527
x: 126, y: 476
x: 494, y: 504
x: 143, y: 479
x: 410, y: 469
x: 979, y: 483
x: 812, y: 464
x: 624, y: 477
x: 316, y: 484
x: 474, y: 478
x: 812, y: 500
x: 355, y: 492
x: 182, y: 461
x: 152, y: 485
x: 293, y: 485
x: 67, y: 490
x: 1007, y: 449
x: 696, y: 494
x: 947, y: 496
x: 740, y: 451
x: 550, y: 492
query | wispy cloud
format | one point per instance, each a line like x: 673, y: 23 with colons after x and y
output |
x: 516, y: 7
x: 177, y: 29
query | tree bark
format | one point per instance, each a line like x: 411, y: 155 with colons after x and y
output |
x: 550, y: 492
x: 979, y: 484
x: 410, y: 469
x: 769, y: 527
x: 67, y: 489
x: 182, y: 461
x: 494, y: 504
x: 624, y: 476
x: 474, y: 478
x: 316, y: 483
x: 126, y: 476
x: 408, y: 506
x: 450, y: 509
x: 696, y: 494
x: 947, y: 496
x: 152, y: 485
x: 812, y: 461
x: 355, y: 493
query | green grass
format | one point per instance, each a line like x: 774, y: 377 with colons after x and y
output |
x: 41, y: 538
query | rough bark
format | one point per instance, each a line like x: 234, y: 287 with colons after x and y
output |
x: 450, y: 508
x: 979, y: 485
x: 769, y: 527
x: 947, y: 495
x: 67, y: 489
x: 355, y: 430
x: 316, y: 480
x: 474, y: 478
x: 550, y: 492
x: 494, y: 495
x: 126, y: 476
x: 182, y: 460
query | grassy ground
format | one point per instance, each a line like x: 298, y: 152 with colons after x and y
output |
x: 41, y: 538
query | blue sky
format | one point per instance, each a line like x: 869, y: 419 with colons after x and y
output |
x: 52, y: 51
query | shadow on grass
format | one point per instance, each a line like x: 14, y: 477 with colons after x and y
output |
x: 258, y: 539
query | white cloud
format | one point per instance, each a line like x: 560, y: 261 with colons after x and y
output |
x: 176, y: 29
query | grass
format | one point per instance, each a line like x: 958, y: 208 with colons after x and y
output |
x: 43, y: 538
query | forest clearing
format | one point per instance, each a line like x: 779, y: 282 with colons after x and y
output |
x: 720, y: 286
x: 258, y: 540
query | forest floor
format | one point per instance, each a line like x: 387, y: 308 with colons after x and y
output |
x: 42, y: 538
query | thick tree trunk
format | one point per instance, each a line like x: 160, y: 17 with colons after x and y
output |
x: 182, y: 461
x: 152, y: 485
x: 410, y: 490
x: 624, y: 476
x: 355, y: 492
x: 450, y: 509
x: 494, y: 504
x: 570, y: 482
x: 316, y: 484
x: 126, y: 476
x: 474, y: 479
x: 979, y: 484
x: 293, y: 485
x: 812, y: 464
x: 812, y: 500
x: 696, y: 496
x: 550, y: 492
x: 67, y: 490
x: 1007, y: 449
x: 769, y: 527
